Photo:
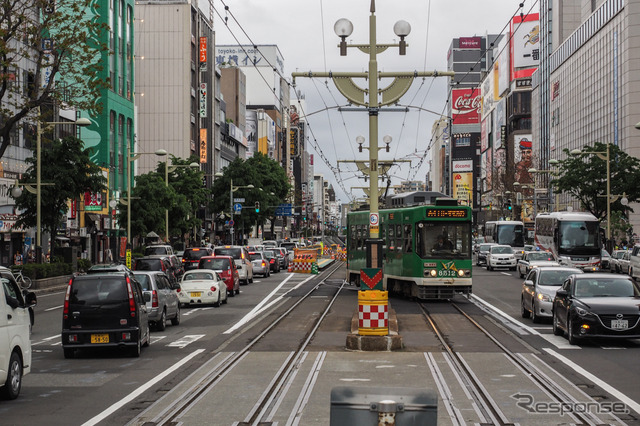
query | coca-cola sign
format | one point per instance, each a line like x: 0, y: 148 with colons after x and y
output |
x: 465, y: 108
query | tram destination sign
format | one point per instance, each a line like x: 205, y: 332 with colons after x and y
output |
x: 446, y: 213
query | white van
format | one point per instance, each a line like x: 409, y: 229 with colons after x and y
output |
x: 634, y: 262
x: 15, y: 343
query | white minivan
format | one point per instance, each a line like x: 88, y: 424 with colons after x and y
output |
x: 15, y: 343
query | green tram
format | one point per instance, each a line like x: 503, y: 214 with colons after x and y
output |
x: 426, y: 249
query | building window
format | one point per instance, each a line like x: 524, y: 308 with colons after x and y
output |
x: 112, y: 139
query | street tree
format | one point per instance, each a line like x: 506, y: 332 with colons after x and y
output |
x: 67, y: 173
x: 58, y: 41
x: 149, y: 197
x: 585, y: 177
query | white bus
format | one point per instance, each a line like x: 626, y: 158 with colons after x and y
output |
x: 574, y: 237
x: 509, y: 232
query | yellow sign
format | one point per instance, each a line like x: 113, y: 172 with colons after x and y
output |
x: 128, y: 259
x: 462, y: 187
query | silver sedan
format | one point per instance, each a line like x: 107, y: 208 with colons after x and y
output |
x: 539, y: 289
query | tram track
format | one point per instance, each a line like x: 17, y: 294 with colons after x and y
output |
x: 485, y: 406
x: 269, y: 400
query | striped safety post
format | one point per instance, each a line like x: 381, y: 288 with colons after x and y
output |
x: 373, y: 313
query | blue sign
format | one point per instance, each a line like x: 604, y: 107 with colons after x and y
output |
x: 237, y: 207
x: 284, y: 210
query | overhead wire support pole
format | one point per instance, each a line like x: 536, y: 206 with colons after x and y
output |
x: 370, y: 98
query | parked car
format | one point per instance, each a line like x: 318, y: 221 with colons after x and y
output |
x: 274, y: 263
x: 260, y: 263
x: 164, y: 303
x: 483, y: 250
x: 107, y: 267
x: 241, y: 257
x: 226, y: 268
x: 501, y: 256
x: 270, y: 243
x: 597, y: 305
x: 539, y: 289
x: 202, y: 286
x: 157, y: 249
x: 15, y: 342
x: 158, y: 263
x: 191, y: 257
x: 534, y: 259
x: 105, y: 310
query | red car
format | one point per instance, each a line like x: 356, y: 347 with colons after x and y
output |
x: 226, y: 269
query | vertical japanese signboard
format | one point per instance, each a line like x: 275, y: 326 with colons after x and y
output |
x: 203, y: 146
x: 203, y: 100
x: 203, y: 53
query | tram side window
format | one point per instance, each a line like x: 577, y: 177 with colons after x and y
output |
x: 383, y: 235
x: 353, y: 240
x: 392, y: 237
x: 363, y: 237
x: 398, y: 237
x: 407, y: 239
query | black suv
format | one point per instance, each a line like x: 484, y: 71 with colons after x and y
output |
x: 191, y: 256
x: 105, y: 310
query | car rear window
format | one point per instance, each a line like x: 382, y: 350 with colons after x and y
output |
x: 150, y: 251
x: 148, y: 265
x: 101, y: 291
x: 195, y: 254
x: 255, y: 256
x: 198, y: 276
x: 234, y: 252
x: 217, y: 264
x: 288, y: 246
x: 144, y: 280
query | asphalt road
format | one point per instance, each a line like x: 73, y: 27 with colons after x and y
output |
x: 112, y: 388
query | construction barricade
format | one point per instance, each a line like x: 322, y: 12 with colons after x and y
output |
x: 373, y: 313
x: 304, y: 261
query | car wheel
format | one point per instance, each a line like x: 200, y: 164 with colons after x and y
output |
x: 535, y: 318
x: 571, y: 337
x: 489, y: 268
x: 523, y: 311
x: 237, y: 290
x: 556, y: 327
x: 231, y: 293
x: 69, y: 353
x: 12, y: 386
x: 250, y: 280
x: 135, y: 351
x: 176, y: 320
x: 520, y: 273
x: 217, y: 304
x: 161, y: 324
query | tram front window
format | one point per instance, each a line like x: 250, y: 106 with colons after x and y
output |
x: 443, y: 240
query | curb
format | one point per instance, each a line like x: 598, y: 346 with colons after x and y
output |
x: 388, y: 343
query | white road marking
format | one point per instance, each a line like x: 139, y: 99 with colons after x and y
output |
x: 136, y: 393
x: 191, y: 311
x: 54, y: 308
x: 262, y: 305
x: 155, y: 339
x: 186, y: 340
x: 46, y: 340
x: 604, y: 385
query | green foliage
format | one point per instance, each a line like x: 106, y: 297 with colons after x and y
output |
x: 151, y: 197
x: 74, y: 60
x: 84, y: 264
x: 37, y: 271
x: 67, y: 165
x: 585, y: 177
x: 259, y: 171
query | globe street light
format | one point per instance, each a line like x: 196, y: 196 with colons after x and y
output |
x: 167, y: 170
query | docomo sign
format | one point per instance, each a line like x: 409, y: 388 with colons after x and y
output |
x: 466, y: 106
x: 463, y: 166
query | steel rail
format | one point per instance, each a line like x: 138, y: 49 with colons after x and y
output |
x: 171, y: 415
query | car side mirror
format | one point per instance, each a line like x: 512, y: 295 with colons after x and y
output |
x: 528, y: 283
x: 147, y: 297
x: 30, y: 299
x: 562, y: 293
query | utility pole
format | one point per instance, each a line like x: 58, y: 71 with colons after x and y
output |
x: 356, y: 95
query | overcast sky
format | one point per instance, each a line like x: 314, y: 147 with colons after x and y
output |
x: 303, y: 32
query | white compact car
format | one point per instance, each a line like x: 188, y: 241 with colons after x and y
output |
x: 501, y: 256
x: 202, y: 286
x: 15, y: 343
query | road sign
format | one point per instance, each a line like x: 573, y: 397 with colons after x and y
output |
x: 231, y: 223
x: 237, y: 207
x: 284, y: 210
x: 238, y: 200
x: 374, y: 218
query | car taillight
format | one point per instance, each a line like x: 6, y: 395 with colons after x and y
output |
x: 132, y: 302
x: 154, y: 299
x: 213, y: 288
x: 264, y: 263
x: 65, y: 310
x: 271, y: 260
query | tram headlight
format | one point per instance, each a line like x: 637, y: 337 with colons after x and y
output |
x: 433, y: 273
x: 461, y: 273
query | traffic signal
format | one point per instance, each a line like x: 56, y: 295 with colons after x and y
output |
x: 509, y: 206
x: 257, y: 206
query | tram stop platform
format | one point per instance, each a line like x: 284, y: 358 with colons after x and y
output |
x: 388, y: 343
x: 323, y: 263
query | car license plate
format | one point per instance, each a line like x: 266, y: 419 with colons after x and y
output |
x: 619, y: 324
x: 99, y: 338
x: 196, y: 294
